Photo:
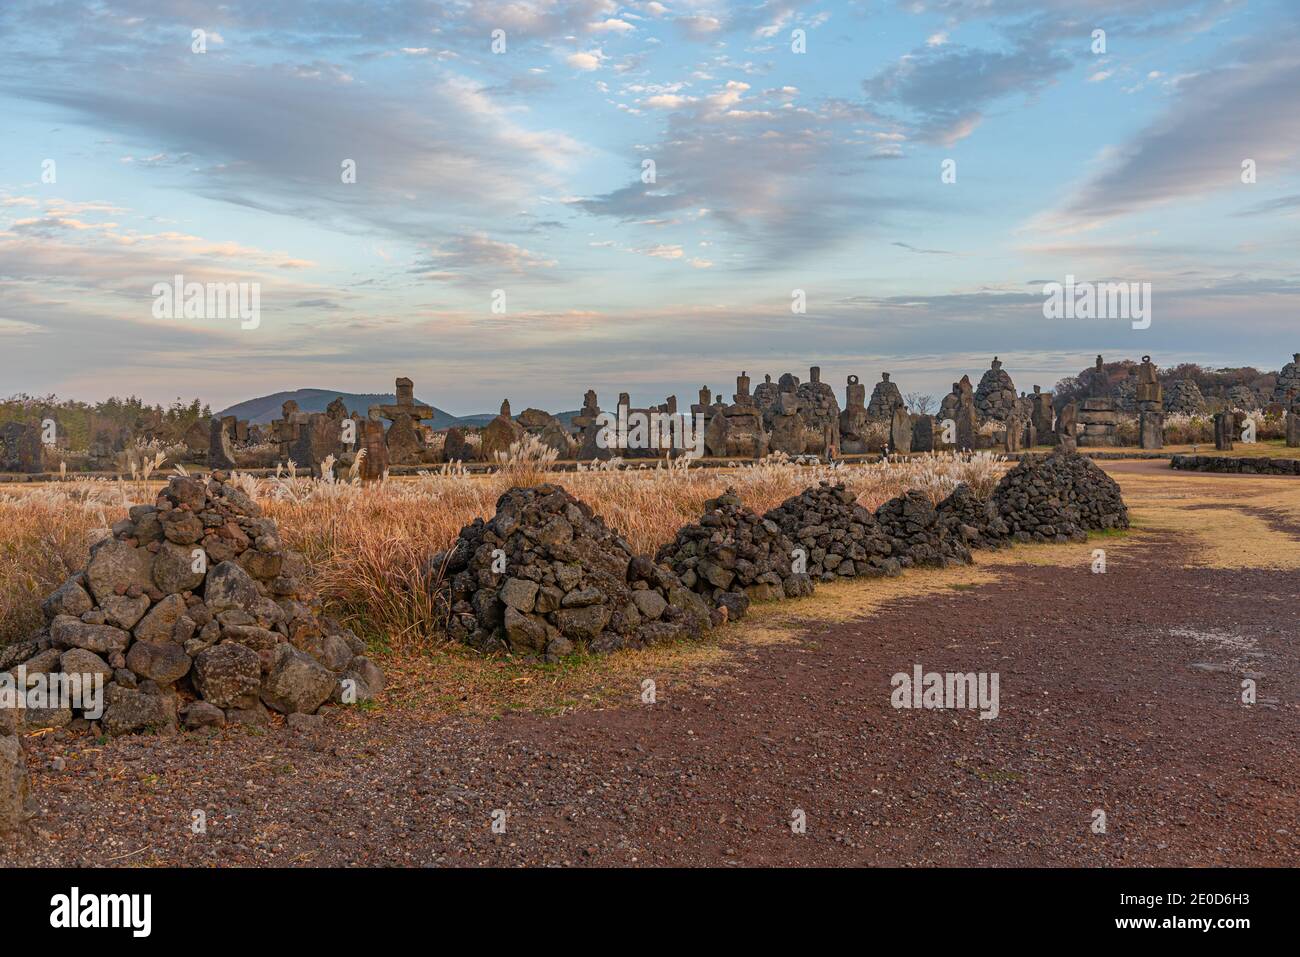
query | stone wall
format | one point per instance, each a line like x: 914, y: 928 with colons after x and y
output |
x: 1245, y: 465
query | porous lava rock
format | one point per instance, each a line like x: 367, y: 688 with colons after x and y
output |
x: 546, y: 577
x: 839, y: 537
x: 972, y: 519
x: 919, y: 538
x: 193, y: 599
x: 1059, y: 498
x: 733, y: 556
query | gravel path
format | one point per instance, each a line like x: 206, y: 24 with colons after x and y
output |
x: 1119, y: 692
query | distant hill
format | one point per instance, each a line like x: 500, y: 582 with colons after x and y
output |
x: 263, y: 410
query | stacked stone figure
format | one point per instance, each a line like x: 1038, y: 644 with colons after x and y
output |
x: 193, y: 607
x: 885, y: 398
x: 545, y: 577
x: 1058, y: 499
x: 1148, y: 400
x: 733, y: 556
x: 995, y: 397
x: 839, y: 538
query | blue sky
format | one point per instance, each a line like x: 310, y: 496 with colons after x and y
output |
x: 522, y: 171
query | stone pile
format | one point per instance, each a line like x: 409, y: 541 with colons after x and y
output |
x: 1246, y: 465
x: 733, y: 556
x: 995, y: 397
x: 973, y: 520
x: 194, y: 608
x: 885, y: 398
x: 840, y: 538
x: 1288, y: 382
x: 1182, y: 397
x: 545, y: 576
x: 1058, y: 499
x: 20, y: 447
x: 1242, y: 397
x: 918, y: 536
x: 1125, y: 392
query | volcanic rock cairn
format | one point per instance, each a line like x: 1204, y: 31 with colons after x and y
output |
x: 839, y: 537
x: 733, y: 556
x: 1288, y: 382
x: 194, y: 608
x: 885, y: 398
x: 545, y: 577
x: 1148, y: 401
x: 1183, y: 397
x: 995, y: 397
x: 1059, y: 498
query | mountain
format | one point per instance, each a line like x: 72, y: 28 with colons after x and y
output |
x: 266, y: 408
x: 263, y: 410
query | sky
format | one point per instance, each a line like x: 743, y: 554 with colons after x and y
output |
x: 550, y: 197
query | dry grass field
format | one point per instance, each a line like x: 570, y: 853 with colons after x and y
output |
x: 366, y: 547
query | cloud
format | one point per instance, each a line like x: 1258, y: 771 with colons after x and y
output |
x: 915, y: 249
x: 1278, y: 205
x: 274, y: 140
x: 477, y: 258
x: 779, y: 181
x: 585, y: 61
x: 1219, y: 119
x: 947, y: 88
x: 612, y: 25
x: 698, y: 27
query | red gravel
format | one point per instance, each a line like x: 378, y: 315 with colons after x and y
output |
x: 1118, y: 691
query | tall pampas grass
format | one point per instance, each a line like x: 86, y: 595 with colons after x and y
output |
x: 367, y: 545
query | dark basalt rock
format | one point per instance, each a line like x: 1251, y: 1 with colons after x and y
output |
x: 1059, y: 498
x: 734, y: 551
x: 194, y: 598
x: 545, y: 576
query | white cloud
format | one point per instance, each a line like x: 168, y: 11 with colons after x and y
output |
x: 585, y: 61
x: 612, y: 25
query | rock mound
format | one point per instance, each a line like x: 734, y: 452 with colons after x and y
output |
x: 545, y: 576
x: 1242, y: 397
x: 1288, y: 382
x: 1183, y: 397
x: 733, y: 556
x: 840, y: 538
x: 193, y: 608
x: 973, y: 520
x: 995, y: 397
x: 1058, y: 499
x: 918, y: 536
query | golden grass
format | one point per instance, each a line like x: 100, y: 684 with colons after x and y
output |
x: 1218, y: 514
x: 365, y: 546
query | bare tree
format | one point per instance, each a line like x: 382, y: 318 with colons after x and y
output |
x: 919, y: 403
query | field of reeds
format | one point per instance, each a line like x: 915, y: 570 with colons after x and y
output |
x: 366, y: 545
